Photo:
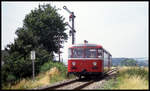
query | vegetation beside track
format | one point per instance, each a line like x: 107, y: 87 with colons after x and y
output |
x: 50, y: 72
x: 129, y: 78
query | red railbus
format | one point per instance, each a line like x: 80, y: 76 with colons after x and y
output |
x: 88, y: 59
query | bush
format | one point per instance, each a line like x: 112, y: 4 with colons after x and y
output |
x: 11, y: 78
x: 50, y: 64
x: 46, y: 66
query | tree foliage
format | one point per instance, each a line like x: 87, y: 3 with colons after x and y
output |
x: 43, y: 31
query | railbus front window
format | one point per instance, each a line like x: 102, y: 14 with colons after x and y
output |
x: 78, y: 53
x: 90, y: 52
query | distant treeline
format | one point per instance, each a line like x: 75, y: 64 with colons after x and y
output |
x: 128, y: 62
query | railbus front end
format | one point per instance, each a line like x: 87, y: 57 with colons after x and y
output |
x: 87, y: 60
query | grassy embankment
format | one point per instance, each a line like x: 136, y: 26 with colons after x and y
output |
x: 129, y: 78
x: 50, y: 72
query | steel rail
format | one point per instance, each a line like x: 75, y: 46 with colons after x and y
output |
x: 95, y: 80
x: 57, y: 85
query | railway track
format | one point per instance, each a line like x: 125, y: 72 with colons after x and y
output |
x: 77, y: 84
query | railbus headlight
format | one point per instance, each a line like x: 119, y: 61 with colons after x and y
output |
x: 73, y: 63
x: 94, y: 63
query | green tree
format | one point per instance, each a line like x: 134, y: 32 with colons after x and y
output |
x: 48, y: 26
x: 43, y: 30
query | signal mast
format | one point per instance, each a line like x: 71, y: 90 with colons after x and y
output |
x: 71, y: 18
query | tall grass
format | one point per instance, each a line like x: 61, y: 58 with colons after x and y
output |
x: 135, y: 71
x: 134, y: 82
x: 129, y: 78
x: 40, y: 80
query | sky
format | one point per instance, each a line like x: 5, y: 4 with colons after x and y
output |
x: 120, y: 27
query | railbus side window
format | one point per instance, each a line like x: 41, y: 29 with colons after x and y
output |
x: 110, y: 60
x: 105, y: 59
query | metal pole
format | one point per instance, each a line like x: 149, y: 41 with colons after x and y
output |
x: 33, y: 69
x: 73, y: 28
x: 59, y: 49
